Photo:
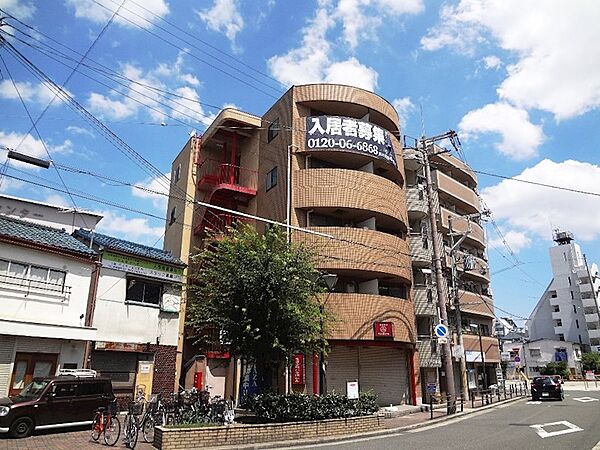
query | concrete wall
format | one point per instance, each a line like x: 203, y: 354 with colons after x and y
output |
x: 119, y: 321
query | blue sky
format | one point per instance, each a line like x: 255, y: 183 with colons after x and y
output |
x: 519, y: 81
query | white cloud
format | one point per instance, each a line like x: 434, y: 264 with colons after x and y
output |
x: 18, y: 8
x: 32, y: 147
x: 154, y: 184
x: 79, y: 130
x: 492, y: 62
x: 516, y: 240
x: 404, y: 107
x: 57, y: 200
x: 223, y: 17
x: 165, y: 77
x: 352, y: 72
x: 536, y: 210
x: 30, y: 92
x: 130, y: 15
x: 520, y: 137
x: 136, y: 229
x: 558, y: 62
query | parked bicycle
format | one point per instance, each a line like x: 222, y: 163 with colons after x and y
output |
x: 132, y: 425
x: 106, y: 424
x: 153, y: 416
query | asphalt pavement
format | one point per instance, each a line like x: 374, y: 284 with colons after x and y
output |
x: 573, y: 424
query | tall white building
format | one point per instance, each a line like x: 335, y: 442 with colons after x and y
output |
x: 569, y: 308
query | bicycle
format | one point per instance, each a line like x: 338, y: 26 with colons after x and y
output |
x: 131, y: 424
x: 106, y: 423
x: 153, y: 415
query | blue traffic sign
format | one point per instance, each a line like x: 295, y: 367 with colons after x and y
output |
x: 441, y: 330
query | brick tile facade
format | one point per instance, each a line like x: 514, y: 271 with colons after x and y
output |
x: 164, y: 369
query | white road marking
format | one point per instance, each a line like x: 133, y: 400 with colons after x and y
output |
x: 586, y: 399
x: 533, y: 403
x: 597, y: 446
x: 539, y: 429
x: 347, y: 441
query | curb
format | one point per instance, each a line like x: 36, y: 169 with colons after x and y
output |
x: 389, y: 431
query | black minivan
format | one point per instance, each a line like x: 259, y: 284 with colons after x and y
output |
x: 54, y: 402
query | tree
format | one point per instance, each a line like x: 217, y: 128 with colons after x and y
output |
x: 262, y: 295
x: 591, y: 361
x: 556, y: 368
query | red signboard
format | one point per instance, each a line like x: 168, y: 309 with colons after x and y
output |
x: 298, y: 371
x: 384, y: 329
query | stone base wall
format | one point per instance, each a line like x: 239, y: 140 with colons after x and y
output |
x: 239, y: 434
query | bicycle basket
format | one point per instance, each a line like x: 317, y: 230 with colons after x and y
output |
x: 113, y: 408
x: 135, y: 408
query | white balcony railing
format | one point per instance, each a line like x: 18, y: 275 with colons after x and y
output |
x: 30, y: 285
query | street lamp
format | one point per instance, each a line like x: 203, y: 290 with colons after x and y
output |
x: 330, y: 282
x: 478, y: 327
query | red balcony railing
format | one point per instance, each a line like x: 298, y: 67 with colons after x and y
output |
x: 214, y: 175
x: 220, y: 222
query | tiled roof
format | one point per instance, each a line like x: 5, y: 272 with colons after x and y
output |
x: 128, y: 247
x: 43, y: 235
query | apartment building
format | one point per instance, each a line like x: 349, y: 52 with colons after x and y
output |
x: 457, y: 205
x: 324, y: 157
x: 568, y: 310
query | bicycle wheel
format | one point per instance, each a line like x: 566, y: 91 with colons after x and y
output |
x: 131, y: 431
x: 112, y: 431
x: 148, y: 429
x: 96, y: 426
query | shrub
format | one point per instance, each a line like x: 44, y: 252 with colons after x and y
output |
x: 298, y: 407
x: 553, y: 368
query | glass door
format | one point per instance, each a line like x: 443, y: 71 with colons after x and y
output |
x: 30, y: 365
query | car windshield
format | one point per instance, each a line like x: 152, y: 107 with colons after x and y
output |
x: 33, y: 389
x: 544, y: 381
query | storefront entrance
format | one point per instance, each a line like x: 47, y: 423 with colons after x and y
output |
x: 30, y: 365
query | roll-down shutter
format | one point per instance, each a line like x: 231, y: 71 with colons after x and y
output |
x: 7, y: 354
x: 342, y: 366
x: 384, y: 370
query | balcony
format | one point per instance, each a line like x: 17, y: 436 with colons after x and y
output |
x: 456, y: 192
x: 416, y: 202
x: 428, y: 352
x: 585, y: 287
x: 356, y: 314
x: 380, y: 254
x: 559, y: 329
x: 424, y: 299
x: 365, y: 194
x: 490, y: 346
x: 459, y: 224
x: 473, y: 303
x: 459, y: 168
x: 420, y: 250
x: 591, y: 318
x: 594, y: 334
x: 219, y: 223
x: 225, y: 179
x: 588, y: 302
x: 556, y: 315
x: 413, y: 159
x: 480, y: 271
x: 30, y: 287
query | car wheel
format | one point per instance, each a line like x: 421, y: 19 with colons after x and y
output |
x: 22, y: 427
x: 535, y: 399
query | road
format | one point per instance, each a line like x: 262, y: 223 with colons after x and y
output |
x: 522, y: 425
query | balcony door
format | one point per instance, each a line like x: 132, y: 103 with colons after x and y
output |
x: 30, y: 365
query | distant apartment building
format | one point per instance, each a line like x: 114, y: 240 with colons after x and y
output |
x: 455, y: 200
x: 327, y: 158
x: 568, y: 309
x: 536, y: 354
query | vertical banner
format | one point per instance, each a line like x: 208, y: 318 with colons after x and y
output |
x: 298, y: 370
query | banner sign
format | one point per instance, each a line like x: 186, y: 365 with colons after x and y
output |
x: 298, y: 372
x: 351, y: 135
x: 384, y: 329
x: 139, y: 266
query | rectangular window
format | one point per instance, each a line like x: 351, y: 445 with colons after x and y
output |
x: 143, y: 291
x: 561, y: 337
x: 569, y: 280
x: 272, y: 178
x: 574, y: 309
x: 177, y: 174
x: 577, y: 323
x: 580, y: 338
x: 173, y: 216
x: 535, y: 352
x: 558, y: 323
x: 34, y: 276
x: 556, y: 308
x: 273, y: 130
x: 572, y: 298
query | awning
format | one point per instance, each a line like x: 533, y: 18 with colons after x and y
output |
x: 473, y: 356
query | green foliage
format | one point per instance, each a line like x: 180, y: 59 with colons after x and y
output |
x: 299, y: 407
x: 591, y: 361
x: 554, y: 368
x: 261, y: 293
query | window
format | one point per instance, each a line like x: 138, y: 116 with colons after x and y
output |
x: 143, y: 291
x: 535, y: 352
x: 561, y: 337
x: 393, y: 291
x: 177, y: 174
x: 41, y: 277
x: 273, y: 130
x: 577, y: 323
x: 574, y: 309
x: 572, y: 298
x: 173, y: 217
x: 272, y: 178
x: 558, y: 323
x: 580, y: 338
x: 569, y: 280
x: 556, y: 308
x: 64, y: 390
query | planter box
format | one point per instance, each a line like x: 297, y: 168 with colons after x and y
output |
x: 242, y: 434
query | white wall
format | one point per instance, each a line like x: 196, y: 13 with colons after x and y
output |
x: 44, y: 306
x: 118, y: 321
x: 547, y: 349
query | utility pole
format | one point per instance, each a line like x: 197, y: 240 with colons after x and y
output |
x: 456, y: 302
x: 426, y: 147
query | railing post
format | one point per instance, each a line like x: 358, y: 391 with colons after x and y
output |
x: 462, y: 402
x: 473, y: 400
x: 430, y: 406
x: 448, y: 401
